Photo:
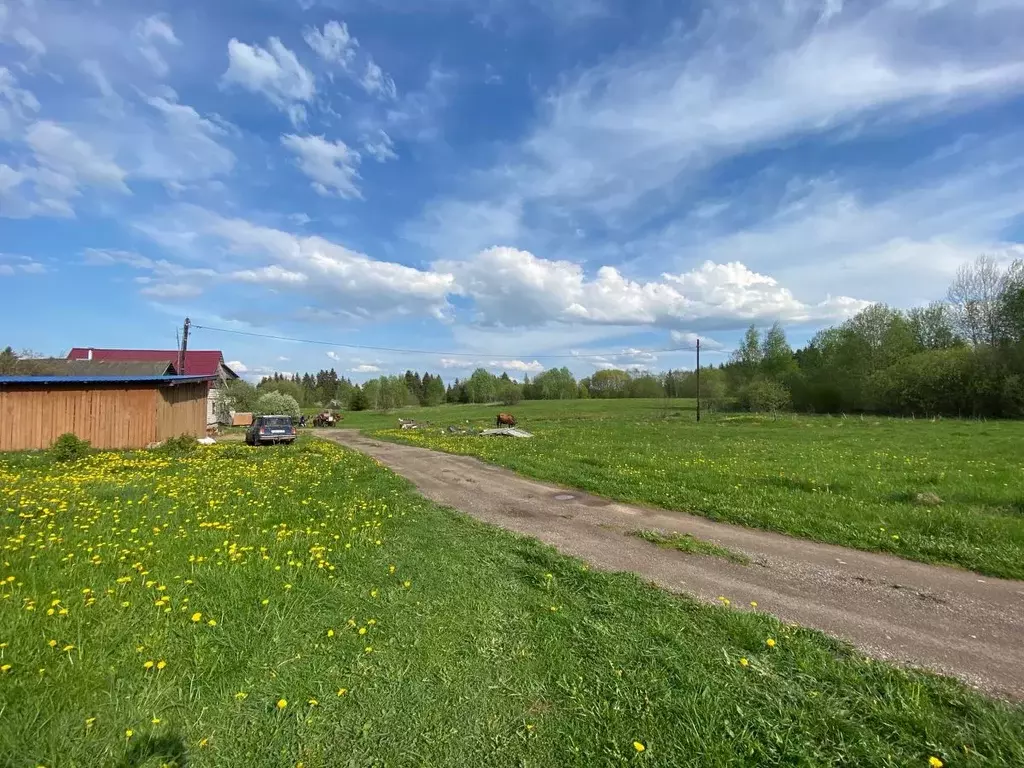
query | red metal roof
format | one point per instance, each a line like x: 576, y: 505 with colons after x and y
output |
x: 198, y: 362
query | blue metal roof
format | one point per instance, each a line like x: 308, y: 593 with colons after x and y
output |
x: 165, y: 380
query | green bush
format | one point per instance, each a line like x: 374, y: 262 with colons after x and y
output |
x: 182, y: 445
x: 277, y: 404
x: 69, y: 447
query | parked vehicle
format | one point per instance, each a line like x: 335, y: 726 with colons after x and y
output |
x: 270, y: 429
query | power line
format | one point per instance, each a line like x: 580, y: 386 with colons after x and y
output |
x: 370, y: 348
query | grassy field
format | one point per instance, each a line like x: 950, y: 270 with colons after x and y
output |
x: 851, y: 481
x: 301, y: 606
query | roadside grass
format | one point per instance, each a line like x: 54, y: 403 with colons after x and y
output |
x: 685, y: 542
x: 303, y: 606
x: 944, y: 491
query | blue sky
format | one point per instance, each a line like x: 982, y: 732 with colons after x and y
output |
x: 496, y: 181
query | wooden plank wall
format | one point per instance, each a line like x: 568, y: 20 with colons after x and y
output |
x: 181, y: 410
x: 107, y: 416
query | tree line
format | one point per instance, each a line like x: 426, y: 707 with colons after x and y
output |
x: 962, y: 356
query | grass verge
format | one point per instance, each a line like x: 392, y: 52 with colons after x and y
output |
x: 685, y: 542
x: 302, y: 606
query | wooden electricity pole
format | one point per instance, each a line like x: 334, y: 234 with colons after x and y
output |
x: 184, y: 347
x: 698, y: 380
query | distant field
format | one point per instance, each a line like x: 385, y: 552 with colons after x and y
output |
x: 301, y: 606
x: 852, y: 481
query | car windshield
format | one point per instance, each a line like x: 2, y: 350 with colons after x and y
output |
x: 277, y: 421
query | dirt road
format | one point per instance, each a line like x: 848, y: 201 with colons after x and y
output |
x: 950, y: 621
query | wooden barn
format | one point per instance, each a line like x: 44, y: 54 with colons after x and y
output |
x: 110, y: 411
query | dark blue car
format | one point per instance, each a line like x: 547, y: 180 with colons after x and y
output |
x: 270, y: 429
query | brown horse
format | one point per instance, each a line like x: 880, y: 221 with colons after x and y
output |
x: 506, y: 420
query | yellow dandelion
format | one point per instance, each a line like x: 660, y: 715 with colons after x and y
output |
x: 313, y: 703
x: 934, y: 762
x: 282, y: 703
x: 342, y: 691
x: 753, y: 604
x: 161, y: 664
x: 369, y: 649
x: 362, y: 630
x: 197, y: 617
x: 148, y: 665
x: 52, y: 643
x: 203, y: 742
x: 129, y: 733
x: 212, y: 623
x: 155, y: 721
x: 90, y: 722
x: 241, y: 695
x: 406, y: 584
x: 744, y: 663
x: 770, y: 642
x: 5, y: 668
x: 264, y: 602
x: 67, y: 648
x: 638, y: 746
x: 330, y: 633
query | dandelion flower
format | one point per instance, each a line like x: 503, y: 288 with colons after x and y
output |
x: 197, y: 617
x: 212, y: 622
x: 753, y: 603
x: 934, y: 762
x: 313, y: 703
x: 638, y: 746
x: 264, y: 602
x: 148, y: 665
x: 369, y: 649
x: 161, y: 664
x: 129, y: 733
x: 241, y: 695
x: 342, y: 691
x: 330, y: 633
x: 770, y: 642
x: 744, y: 663
x: 4, y: 669
x: 407, y: 584
x: 52, y: 643
x: 155, y: 721
x: 282, y: 703
x: 362, y: 630
x: 67, y: 648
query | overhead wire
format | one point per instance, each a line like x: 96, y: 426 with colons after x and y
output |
x: 397, y: 350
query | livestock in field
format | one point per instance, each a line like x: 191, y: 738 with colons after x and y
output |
x: 505, y: 420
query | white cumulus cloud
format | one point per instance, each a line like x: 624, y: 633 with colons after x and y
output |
x: 331, y: 165
x: 150, y: 32
x: 334, y: 44
x: 515, y: 288
x: 274, y: 71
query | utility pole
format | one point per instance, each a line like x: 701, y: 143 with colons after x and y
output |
x: 698, y: 380
x: 184, y: 347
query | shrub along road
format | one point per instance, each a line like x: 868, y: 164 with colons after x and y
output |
x: 950, y: 621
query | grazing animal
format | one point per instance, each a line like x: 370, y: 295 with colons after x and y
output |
x: 506, y: 420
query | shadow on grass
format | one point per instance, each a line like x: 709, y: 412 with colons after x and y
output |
x: 160, y: 750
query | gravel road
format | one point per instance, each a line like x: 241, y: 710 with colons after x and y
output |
x: 950, y: 621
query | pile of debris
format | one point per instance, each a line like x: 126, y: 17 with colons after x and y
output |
x: 506, y: 432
